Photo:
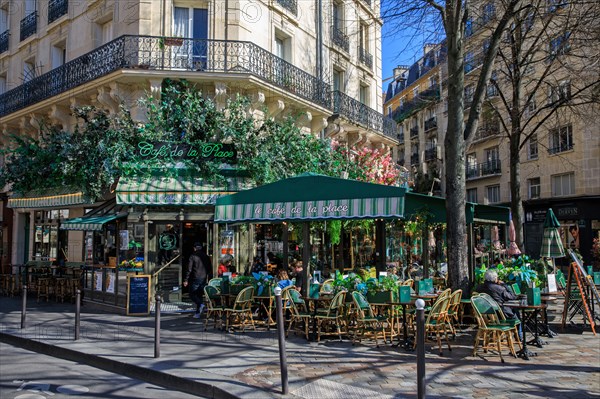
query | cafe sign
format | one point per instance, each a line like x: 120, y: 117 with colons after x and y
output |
x: 168, y: 151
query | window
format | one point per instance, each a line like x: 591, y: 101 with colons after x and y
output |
x: 433, y: 82
x: 364, y: 95
x: 563, y: 184
x: 472, y: 195
x: 389, y: 110
x: 471, y: 166
x: 338, y: 80
x: 493, y: 194
x: 560, y: 44
x: 337, y: 16
x: 3, y: 20
x: 533, y: 188
x: 28, y: 70
x: 561, y: 139
x: 283, y: 46
x: 469, y: 92
x: 190, y: 23
x: 489, y: 12
x: 107, y: 32
x: 363, y: 36
x: 562, y: 92
x: 492, y: 89
x: 29, y: 7
x: 486, y: 45
x: 59, y: 55
x: 2, y: 84
x: 468, y: 27
x: 469, y: 61
x: 532, y: 148
x: 531, y: 106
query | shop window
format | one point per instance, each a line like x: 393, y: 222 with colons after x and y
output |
x: 49, y: 243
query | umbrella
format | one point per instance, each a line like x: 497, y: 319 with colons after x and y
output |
x: 513, y: 249
x: 552, y: 246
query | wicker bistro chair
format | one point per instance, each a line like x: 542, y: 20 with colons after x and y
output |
x: 240, y: 315
x: 326, y: 287
x: 366, y: 321
x: 214, y: 310
x: 215, y: 282
x: 299, y: 313
x: 501, y: 317
x: 453, y: 311
x: 436, y: 321
x: 333, y: 317
x: 490, y: 332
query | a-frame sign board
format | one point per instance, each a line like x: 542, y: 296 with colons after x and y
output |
x: 582, y: 300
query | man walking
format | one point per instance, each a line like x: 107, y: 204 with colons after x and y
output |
x: 196, y: 278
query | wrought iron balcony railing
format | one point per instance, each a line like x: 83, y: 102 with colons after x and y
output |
x: 29, y: 25
x: 414, y: 132
x: 490, y: 168
x: 359, y: 113
x: 414, y: 159
x: 430, y: 123
x: 340, y: 39
x: 168, y: 54
x: 56, y: 9
x: 427, y: 97
x: 290, y: 5
x: 4, y: 41
x: 562, y: 147
x: 431, y: 154
x: 365, y: 57
x: 489, y: 129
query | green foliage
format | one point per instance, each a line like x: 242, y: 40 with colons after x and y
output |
x: 521, y: 270
x: 334, y: 228
x: 353, y: 282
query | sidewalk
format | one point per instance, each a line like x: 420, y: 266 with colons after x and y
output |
x: 221, y: 365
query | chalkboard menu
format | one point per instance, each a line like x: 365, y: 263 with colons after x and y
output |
x: 138, y: 294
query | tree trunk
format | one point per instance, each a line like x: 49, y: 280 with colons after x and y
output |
x: 516, y: 204
x: 454, y: 142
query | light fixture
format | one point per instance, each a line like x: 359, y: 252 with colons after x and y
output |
x: 435, y: 180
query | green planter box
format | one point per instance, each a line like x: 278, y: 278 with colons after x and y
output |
x: 534, y: 297
x: 590, y: 270
x: 379, y: 297
x: 597, y: 278
x: 404, y: 293
x: 314, y: 290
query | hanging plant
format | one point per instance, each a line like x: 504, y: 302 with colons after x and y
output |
x: 334, y: 229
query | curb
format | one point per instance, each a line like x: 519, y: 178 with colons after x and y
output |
x: 129, y: 370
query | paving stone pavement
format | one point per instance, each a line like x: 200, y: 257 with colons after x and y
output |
x: 247, y: 365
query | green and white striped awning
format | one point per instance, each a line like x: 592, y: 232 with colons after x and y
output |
x: 179, y: 190
x: 47, y: 199
x: 90, y: 223
x: 356, y: 208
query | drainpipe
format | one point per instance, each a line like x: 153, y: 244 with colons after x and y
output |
x: 319, y: 21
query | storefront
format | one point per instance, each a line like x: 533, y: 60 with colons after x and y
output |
x: 579, y: 219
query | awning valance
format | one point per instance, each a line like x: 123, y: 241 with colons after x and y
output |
x: 52, y: 198
x: 178, y: 190
x: 96, y: 219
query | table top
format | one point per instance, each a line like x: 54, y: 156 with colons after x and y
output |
x: 518, y: 305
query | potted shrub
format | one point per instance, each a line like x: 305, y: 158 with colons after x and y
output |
x: 239, y: 283
x: 383, y: 290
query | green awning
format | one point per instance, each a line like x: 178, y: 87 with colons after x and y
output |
x: 178, y: 190
x: 95, y: 219
x: 312, y: 197
x: 51, y: 198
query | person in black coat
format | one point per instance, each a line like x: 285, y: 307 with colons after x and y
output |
x: 196, y: 278
x: 498, y: 291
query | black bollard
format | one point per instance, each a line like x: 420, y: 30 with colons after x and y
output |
x: 24, y: 308
x: 157, y: 327
x: 281, y: 338
x: 77, y: 313
x: 420, y: 348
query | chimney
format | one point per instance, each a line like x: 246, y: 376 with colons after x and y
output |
x: 400, y: 72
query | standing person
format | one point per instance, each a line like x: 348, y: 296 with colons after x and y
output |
x: 196, y: 278
x: 298, y: 268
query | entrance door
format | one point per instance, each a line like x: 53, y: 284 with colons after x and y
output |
x: 167, y: 247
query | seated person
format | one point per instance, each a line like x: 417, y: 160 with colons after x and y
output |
x: 498, y: 291
x: 224, y: 264
x: 416, y: 270
x: 258, y: 265
x: 283, y: 280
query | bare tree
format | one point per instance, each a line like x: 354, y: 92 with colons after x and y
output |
x: 452, y: 17
x: 547, y: 69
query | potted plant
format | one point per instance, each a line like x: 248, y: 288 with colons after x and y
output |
x: 239, y: 283
x: 352, y: 282
x: 262, y: 284
x: 383, y: 290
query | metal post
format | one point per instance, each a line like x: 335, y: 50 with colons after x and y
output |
x: 420, y: 348
x: 77, y: 313
x: 281, y: 338
x: 24, y: 308
x: 157, y: 327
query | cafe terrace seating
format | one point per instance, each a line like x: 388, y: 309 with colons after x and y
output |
x: 213, y: 309
x: 240, y: 315
x: 332, y: 321
x: 436, y: 321
x: 490, y: 332
x: 366, y: 322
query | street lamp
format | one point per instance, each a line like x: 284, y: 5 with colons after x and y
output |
x: 435, y: 180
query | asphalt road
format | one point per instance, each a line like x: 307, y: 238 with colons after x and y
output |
x: 30, y: 375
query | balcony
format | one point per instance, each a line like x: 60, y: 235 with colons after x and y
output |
x: 29, y: 25
x: 365, y: 57
x: 562, y: 147
x: 429, y: 96
x: 431, y: 123
x: 414, y: 159
x: 490, y: 168
x: 431, y: 154
x: 290, y: 5
x: 4, y: 41
x: 340, y: 39
x: 487, y: 130
x: 56, y: 9
x: 162, y: 54
x: 361, y: 114
x: 414, y: 132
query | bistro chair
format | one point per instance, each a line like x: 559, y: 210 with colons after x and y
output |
x: 240, y: 315
x: 215, y: 282
x: 501, y: 317
x: 489, y: 331
x: 366, y: 321
x: 332, y: 318
x: 435, y: 322
x: 299, y: 313
x: 214, y: 310
x: 453, y: 311
x: 326, y: 287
